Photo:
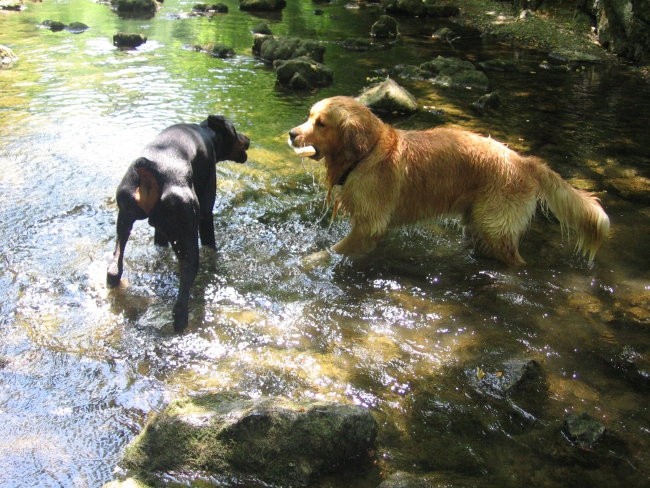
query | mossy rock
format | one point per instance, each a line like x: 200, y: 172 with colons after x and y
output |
x: 53, y: 25
x: 385, y: 28
x: 303, y: 73
x: 389, y: 97
x: 128, y: 40
x: 272, y: 48
x: 146, y: 8
x: 275, y: 441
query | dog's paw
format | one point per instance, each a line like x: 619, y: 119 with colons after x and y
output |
x: 113, y: 276
x: 319, y: 258
x: 181, y: 317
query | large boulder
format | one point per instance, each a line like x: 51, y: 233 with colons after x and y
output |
x: 302, y: 73
x: 389, y: 97
x: 265, y: 440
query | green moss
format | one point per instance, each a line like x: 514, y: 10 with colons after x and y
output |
x: 276, y: 440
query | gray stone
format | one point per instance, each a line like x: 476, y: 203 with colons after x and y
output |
x: 388, y: 96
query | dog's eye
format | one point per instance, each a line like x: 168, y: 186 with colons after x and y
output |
x: 319, y: 122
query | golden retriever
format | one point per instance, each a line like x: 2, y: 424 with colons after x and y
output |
x: 388, y: 177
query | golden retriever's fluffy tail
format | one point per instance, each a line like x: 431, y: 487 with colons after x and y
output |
x: 579, y: 212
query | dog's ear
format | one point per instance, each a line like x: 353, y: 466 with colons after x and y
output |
x: 216, y: 122
x: 221, y: 125
x: 356, y: 134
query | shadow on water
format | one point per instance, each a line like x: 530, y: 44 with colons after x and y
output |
x: 421, y: 332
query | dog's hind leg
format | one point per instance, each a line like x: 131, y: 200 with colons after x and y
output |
x: 497, y: 224
x: 187, y: 252
x: 180, y: 224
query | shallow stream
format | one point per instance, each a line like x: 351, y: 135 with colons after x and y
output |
x: 408, y: 332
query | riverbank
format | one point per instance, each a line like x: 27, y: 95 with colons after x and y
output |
x: 557, y: 29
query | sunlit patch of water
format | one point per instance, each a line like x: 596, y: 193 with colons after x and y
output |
x: 404, y: 332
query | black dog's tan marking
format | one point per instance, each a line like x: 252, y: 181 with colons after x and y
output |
x: 174, y: 185
x: 147, y: 193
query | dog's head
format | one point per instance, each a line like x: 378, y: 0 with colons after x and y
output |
x: 228, y: 144
x: 340, y: 129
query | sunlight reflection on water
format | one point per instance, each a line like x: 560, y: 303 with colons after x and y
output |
x: 399, y: 332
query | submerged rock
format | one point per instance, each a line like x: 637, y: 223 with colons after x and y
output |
x: 53, y: 25
x: 455, y: 73
x: 583, y: 429
x: 76, y: 27
x: 629, y: 364
x: 357, y: 44
x: 384, y: 28
x: 498, y: 65
x: 302, y: 73
x: 128, y: 40
x: 388, y: 96
x: 216, y: 50
x: 203, y: 8
x: 487, y: 101
x: 275, y: 441
x: 516, y: 381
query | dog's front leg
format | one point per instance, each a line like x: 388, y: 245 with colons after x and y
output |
x: 115, y: 268
x: 361, y: 240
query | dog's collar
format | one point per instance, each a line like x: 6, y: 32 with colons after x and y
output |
x: 343, y: 178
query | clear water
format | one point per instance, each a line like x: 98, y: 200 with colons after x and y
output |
x: 404, y: 332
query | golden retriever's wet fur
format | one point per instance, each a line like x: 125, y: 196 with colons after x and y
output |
x: 390, y: 177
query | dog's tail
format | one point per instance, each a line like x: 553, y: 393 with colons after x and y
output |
x: 578, y: 211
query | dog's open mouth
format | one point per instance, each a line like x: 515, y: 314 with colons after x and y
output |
x: 304, y: 151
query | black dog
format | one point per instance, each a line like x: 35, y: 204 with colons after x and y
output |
x: 174, y: 185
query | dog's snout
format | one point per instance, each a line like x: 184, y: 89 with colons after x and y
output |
x: 293, y: 133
